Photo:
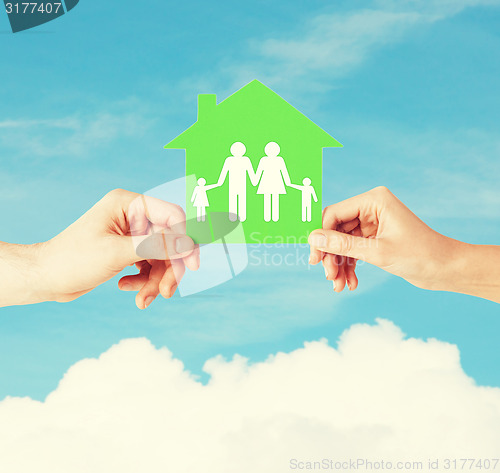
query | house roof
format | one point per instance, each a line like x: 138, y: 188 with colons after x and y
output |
x: 256, y: 98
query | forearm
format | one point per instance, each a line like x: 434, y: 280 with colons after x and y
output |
x: 222, y: 177
x: 21, y: 276
x: 476, y: 271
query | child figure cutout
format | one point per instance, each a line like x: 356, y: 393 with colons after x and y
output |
x: 308, y: 194
x: 200, y: 199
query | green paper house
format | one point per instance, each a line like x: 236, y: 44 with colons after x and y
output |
x: 256, y: 160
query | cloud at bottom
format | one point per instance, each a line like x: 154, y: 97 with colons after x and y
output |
x: 377, y: 395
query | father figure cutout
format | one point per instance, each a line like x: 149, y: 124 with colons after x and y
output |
x: 237, y: 166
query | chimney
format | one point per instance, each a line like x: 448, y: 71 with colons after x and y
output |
x: 206, y: 105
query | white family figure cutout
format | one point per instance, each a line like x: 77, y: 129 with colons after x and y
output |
x: 271, y: 177
x: 308, y: 194
x: 271, y: 172
x: 237, y: 166
x: 200, y: 199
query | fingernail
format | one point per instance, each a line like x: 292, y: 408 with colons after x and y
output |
x: 183, y: 244
x: 126, y: 287
x: 313, y: 259
x: 348, y: 285
x: 318, y: 240
x: 148, y: 301
x: 334, y: 286
x: 326, y: 273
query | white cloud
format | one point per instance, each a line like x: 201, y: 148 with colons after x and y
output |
x: 338, y: 42
x: 66, y: 123
x: 265, y: 303
x: 434, y: 9
x: 376, y: 396
x: 440, y: 173
x: 76, y: 134
x: 331, y: 45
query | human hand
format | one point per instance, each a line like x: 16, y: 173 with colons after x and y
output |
x: 378, y: 228
x: 122, y: 229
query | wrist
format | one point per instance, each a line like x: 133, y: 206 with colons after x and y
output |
x: 474, y: 270
x: 35, y: 281
x: 440, y: 265
x: 456, y: 266
x: 22, y: 274
x: 50, y: 261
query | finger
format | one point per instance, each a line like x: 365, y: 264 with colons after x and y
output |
x: 350, y: 274
x: 338, y: 243
x: 168, y: 278
x: 350, y: 269
x: 145, y: 210
x: 179, y: 270
x: 347, y: 227
x: 150, y: 290
x: 166, y: 214
x: 316, y: 256
x: 352, y: 208
x: 330, y: 265
x: 171, y: 278
x: 158, y: 246
x: 339, y: 281
x: 192, y: 261
x: 135, y: 282
x: 345, y: 211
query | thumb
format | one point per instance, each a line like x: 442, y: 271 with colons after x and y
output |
x: 159, y: 246
x: 344, y: 244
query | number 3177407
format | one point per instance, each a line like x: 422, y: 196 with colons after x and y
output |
x: 32, y: 8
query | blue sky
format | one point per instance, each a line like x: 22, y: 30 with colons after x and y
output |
x: 88, y: 101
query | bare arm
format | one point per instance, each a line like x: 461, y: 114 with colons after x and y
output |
x: 258, y: 173
x: 251, y: 173
x: 211, y: 186
x: 223, y: 174
x: 21, y: 275
x: 113, y: 234
x: 314, y: 196
x: 194, y: 194
x: 284, y: 171
x: 475, y: 271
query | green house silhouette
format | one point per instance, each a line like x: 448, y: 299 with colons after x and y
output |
x: 254, y: 116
